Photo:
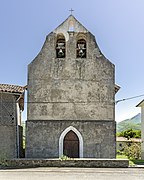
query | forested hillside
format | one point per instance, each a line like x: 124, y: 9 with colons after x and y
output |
x: 132, y: 123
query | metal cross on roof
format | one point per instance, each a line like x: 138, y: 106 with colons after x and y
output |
x: 71, y: 10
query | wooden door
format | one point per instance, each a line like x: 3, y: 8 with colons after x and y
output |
x: 71, y: 145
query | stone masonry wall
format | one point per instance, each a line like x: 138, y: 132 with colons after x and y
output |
x: 43, y: 138
x: 8, y: 127
x: 8, y: 142
x: 8, y: 114
x: 70, y: 88
x: 71, y: 91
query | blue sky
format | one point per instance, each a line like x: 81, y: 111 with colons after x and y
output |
x: 118, y: 26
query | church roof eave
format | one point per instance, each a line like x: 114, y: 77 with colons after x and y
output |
x: 140, y: 104
x: 117, y: 88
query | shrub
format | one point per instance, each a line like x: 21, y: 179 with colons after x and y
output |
x: 133, y: 150
x: 63, y: 158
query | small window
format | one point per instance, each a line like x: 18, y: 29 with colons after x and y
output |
x: 60, y: 47
x: 81, y: 48
x: 71, y: 26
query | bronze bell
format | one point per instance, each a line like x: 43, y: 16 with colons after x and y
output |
x: 60, y: 53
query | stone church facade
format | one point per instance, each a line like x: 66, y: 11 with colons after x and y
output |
x: 71, y: 95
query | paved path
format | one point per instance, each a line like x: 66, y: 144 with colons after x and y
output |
x: 73, y: 174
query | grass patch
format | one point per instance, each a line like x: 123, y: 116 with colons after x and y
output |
x: 138, y: 161
x: 122, y: 156
x: 63, y: 158
x: 132, y: 162
x: 119, y: 156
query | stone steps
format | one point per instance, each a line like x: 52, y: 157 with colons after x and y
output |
x: 84, y: 163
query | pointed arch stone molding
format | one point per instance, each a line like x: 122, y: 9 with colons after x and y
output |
x: 61, y: 140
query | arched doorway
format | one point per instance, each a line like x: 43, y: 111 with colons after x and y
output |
x: 71, y: 145
x: 80, y: 140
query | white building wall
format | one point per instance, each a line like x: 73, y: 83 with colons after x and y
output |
x: 142, y: 131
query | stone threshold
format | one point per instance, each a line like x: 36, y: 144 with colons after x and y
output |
x: 81, y: 162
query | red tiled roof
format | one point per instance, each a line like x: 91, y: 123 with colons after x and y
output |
x: 12, y: 88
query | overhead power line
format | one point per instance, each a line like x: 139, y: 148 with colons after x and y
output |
x: 129, y: 98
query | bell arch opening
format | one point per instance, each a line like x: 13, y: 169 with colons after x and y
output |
x: 60, y: 46
x: 81, y: 48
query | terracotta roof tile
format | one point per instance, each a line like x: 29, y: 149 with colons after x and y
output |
x: 12, y: 88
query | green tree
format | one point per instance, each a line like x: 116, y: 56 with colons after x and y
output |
x: 138, y: 134
x: 130, y: 133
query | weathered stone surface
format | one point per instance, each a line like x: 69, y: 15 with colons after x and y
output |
x: 43, y: 138
x: 85, y: 163
x: 7, y: 109
x: 71, y: 91
x: 8, y: 142
x: 70, y: 88
x: 11, y: 138
x: 7, y: 126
